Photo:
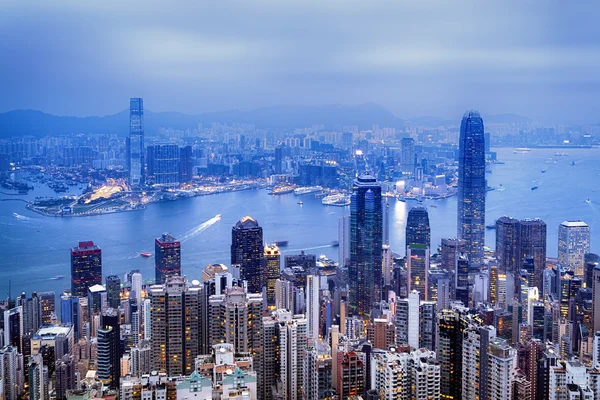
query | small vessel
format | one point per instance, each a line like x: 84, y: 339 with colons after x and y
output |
x: 300, y: 203
x: 433, y: 205
x: 501, y: 188
x: 306, y: 190
x: 543, y: 171
x: 490, y: 227
x: 588, y: 201
x: 218, y: 216
x: 58, y: 277
x: 534, y: 188
x: 560, y: 154
x: 572, y: 163
x: 281, y: 243
x: 145, y: 254
x: 521, y: 150
x: 338, y: 199
x: 335, y: 243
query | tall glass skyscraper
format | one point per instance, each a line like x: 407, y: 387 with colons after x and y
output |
x: 573, y: 244
x: 247, y: 251
x: 366, y: 240
x: 86, y: 268
x: 471, y: 186
x: 417, y: 227
x: 167, y: 258
x: 135, y: 142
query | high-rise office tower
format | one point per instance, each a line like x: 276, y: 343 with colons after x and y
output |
x: 11, y: 372
x: 38, y: 382
x: 176, y: 320
x: 109, y: 348
x: 13, y: 328
x: 366, y: 224
x: 136, y: 287
x: 351, y: 374
x: 64, y: 373
x: 417, y: 260
x: 596, y: 299
x: 471, y: 186
x: 417, y: 227
x: 475, y: 368
x: 272, y: 272
x: 113, y: 291
x: 344, y: 240
x: 186, y: 164
x: 451, y: 247
x: 247, y: 251
x: 499, y: 370
x: 408, y: 156
x: 163, y: 164
x: 86, y: 268
x: 31, y: 318
x: 507, y: 245
x: 573, y: 245
x: 312, y: 307
x: 47, y: 306
x: 167, y: 258
x: 532, y: 243
x: 70, y: 314
x: 462, y: 286
x: 449, y: 351
x: 135, y: 142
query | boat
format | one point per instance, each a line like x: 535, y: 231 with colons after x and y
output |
x: 560, y: 154
x: 490, y: 227
x: 58, y: 277
x: 534, y: 188
x: 338, y: 199
x: 145, y: 254
x: 543, y: 171
x: 218, y: 216
x: 300, y: 203
x: 335, y: 243
x: 307, y: 190
x: 282, y: 190
x: 521, y: 150
x: 281, y: 243
x: 588, y: 201
x: 433, y: 205
x: 572, y: 163
x: 501, y: 188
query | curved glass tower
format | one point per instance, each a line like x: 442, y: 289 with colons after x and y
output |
x: 135, y: 142
x: 366, y: 240
x: 471, y: 186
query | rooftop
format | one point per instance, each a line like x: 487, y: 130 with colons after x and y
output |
x: 96, y: 289
x: 574, y: 224
x: 51, y: 332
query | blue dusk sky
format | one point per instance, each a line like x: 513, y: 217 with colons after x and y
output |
x: 539, y: 58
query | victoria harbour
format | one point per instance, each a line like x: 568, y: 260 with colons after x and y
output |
x: 35, y: 248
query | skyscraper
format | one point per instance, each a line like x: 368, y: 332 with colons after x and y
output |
x: 417, y: 227
x: 109, y: 348
x: 408, y: 156
x: 417, y: 260
x: 135, y: 142
x: 366, y: 240
x: 471, y: 186
x: 272, y: 272
x: 247, y: 251
x: 312, y: 307
x: 10, y: 372
x: 532, y: 243
x: 167, y: 258
x: 163, y: 164
x: 176, y: 325
x: 47, y: 306
x: 86, y: 268
x: 70, y: 314
x: 113, y: 291
x: 186, y: 164
x: 573, y: 244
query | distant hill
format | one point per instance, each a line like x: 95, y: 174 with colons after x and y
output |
x: 505, y: 119
x: 37, y: 123
x: 430, y: 121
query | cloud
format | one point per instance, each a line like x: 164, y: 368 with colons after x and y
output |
x: 414, y: 57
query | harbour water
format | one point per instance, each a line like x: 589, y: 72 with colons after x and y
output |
x: 34, y: 249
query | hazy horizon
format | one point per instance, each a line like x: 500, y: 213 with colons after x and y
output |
x: 413, y: 58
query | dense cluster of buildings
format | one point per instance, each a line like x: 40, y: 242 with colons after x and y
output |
x: 456, y: 322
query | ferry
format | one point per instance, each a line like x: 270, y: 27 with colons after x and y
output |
x: 58, y: 277
x: 145, y: 254
x: 560, y: 154
x: 218, y: 216
x: 490, y: 227
x: 281, y: 243
x: 335, y: 243
x: 588, y: 201
x: 307, y: 190
x: 543, y: 171
x: 521, y: 150
x: 534, y: 188
x: 300, y: 203
x: 282, y: 190
x: 338, y: 199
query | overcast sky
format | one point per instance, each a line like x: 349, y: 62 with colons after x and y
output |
x: 535, y: 58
